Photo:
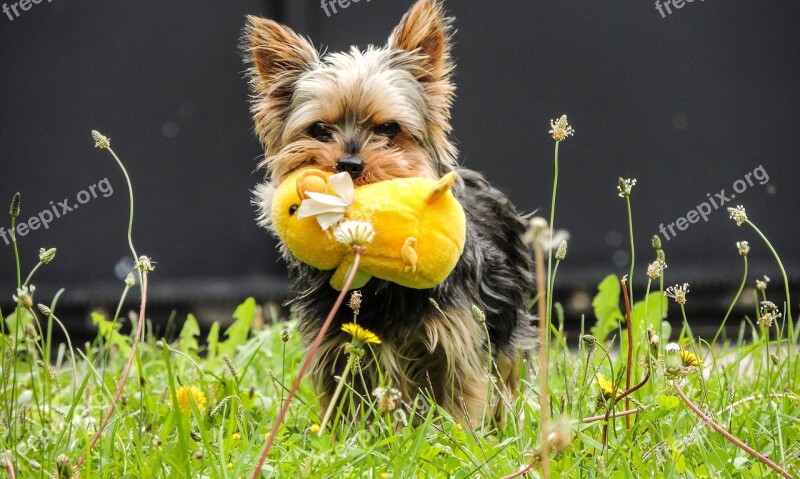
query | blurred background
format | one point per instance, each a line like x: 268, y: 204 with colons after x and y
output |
x: 686, y: 102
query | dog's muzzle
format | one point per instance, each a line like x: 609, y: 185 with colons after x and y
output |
x: 350, y: 164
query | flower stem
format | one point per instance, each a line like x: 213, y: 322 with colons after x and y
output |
x: 788, y: 313
x: 334, y: 399
x: 312, y: 350
x: 544, y: 356
x: 735, y: 300
x: 629, y: 362
x: 136, y: 340
x: 730, y: 437
x: 633, y: 248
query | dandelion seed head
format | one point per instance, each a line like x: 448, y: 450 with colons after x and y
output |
x: 656, y: 269
x: 743, y: 247
x: 46, y: 255
x: 560, y: 129
x: 561, y: 252
x: 354, y: 233
x: 100, y: 141
x: 678, y: 293
x: 738, y: 214
x: 625, y: 185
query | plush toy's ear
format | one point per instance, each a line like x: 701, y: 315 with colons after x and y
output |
x: 442, y: 187
x: 313, y: 180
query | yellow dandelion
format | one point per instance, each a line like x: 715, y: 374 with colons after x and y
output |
x: 360, y: 335
x: 690, y: 359
x: 607, y: 387
x: 197, y: 395
x: 314, y: 428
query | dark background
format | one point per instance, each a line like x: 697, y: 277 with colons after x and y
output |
x: 686, y: 104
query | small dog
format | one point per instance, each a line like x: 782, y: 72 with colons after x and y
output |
x: 378, y: 114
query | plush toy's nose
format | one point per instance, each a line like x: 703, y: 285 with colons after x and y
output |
x: 350, y: 164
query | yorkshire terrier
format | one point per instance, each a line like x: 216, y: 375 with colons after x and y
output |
x: 378, y: 114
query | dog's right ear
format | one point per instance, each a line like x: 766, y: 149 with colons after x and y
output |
x: 276, y: 50
x: 278, y: 56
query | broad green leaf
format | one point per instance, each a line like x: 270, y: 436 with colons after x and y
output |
x: 213, y: 341
x: 606, y: 307
x: 238, y: 332
x: 109, y: 330
x: 189, y: 334
x: 654, y: 306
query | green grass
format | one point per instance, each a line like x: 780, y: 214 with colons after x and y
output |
x: 57, y: 410
x: 54, y: 397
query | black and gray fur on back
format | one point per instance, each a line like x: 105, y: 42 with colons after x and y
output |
x: 494, y: 274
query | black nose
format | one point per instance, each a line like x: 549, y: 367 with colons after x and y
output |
x: 350, y: 164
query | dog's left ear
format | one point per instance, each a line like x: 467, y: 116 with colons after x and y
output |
x: 425, y: 31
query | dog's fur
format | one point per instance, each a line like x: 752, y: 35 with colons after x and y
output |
x: 390, y: 107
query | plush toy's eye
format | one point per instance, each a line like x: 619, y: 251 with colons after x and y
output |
x: 389, y: 129
x: 293, y: 209
x: 320, y: 131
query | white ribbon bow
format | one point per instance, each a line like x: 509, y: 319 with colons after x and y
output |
x: 329, y: 209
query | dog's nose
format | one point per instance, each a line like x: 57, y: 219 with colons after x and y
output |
x: 350, y: 164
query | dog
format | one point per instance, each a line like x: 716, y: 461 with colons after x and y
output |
x: 378, y: 114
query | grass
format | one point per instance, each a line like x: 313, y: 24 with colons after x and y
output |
x: 202, y: 405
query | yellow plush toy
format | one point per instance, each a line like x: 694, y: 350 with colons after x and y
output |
x: 419, y: 226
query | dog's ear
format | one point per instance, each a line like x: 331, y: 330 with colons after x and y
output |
x: 275, y: 50
x: 425, y: 31
x: 278, y: 56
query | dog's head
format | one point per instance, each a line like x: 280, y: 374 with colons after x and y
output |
x: 377, y: 114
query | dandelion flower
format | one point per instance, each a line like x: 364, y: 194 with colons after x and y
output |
x: 607, y: 388
x: 690, y: 359
x: 738, y: 215
x: 354, y: 233
x: 678, y: 293
x: 360, y: 335
x: 197, y: 395
x: 560, y: 129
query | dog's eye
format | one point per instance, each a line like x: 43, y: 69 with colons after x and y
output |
x: 320, y: 132
x: 389, y: 129
x: 293, y: 209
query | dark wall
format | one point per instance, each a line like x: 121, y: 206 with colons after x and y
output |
x: 687, y: 104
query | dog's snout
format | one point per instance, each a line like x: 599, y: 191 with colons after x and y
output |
x: 350, y: 164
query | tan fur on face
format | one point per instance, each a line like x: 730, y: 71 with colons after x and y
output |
x: 408, y: 82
